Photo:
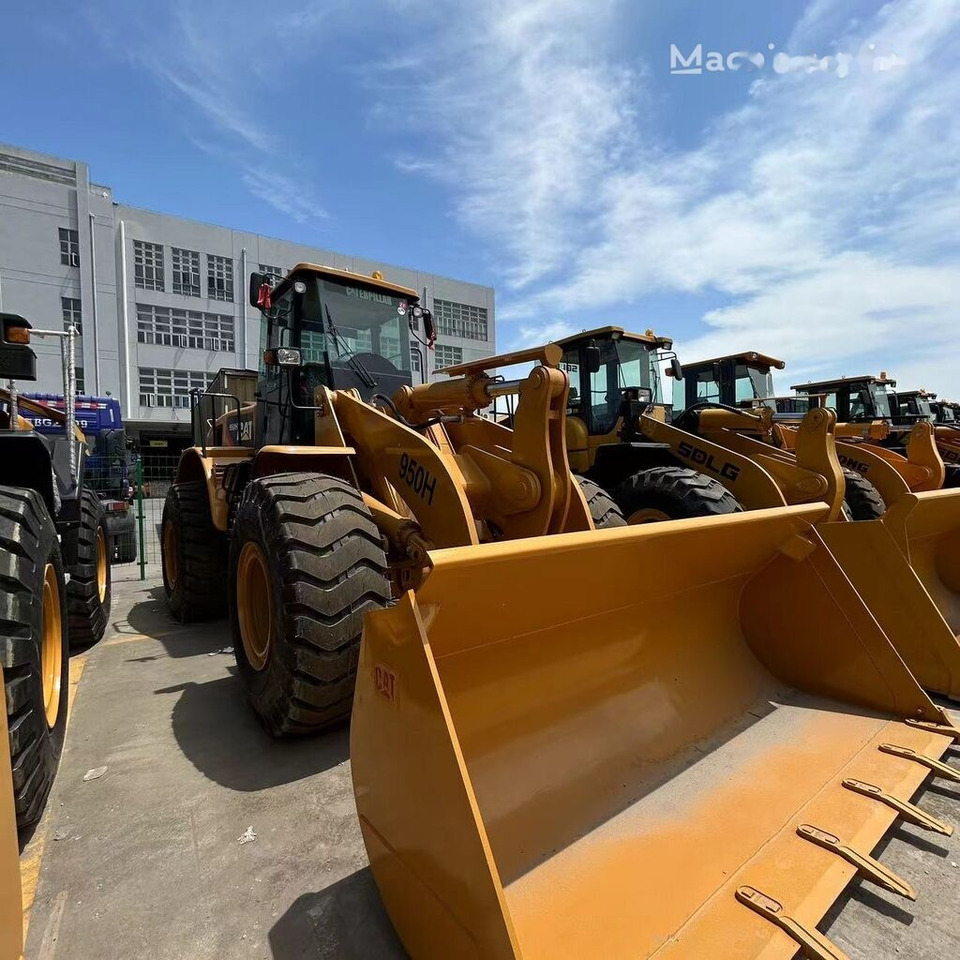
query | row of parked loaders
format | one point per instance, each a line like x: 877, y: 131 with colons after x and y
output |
x: 620, y: 684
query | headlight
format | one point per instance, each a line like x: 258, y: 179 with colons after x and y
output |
x: 288, y: 357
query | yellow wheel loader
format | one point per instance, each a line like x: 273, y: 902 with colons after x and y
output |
x: 566, y: 742
x: 348, y: 477
x: 904, y: 557
x: 911, y: 446
x: 924, y: 406
x: 909, y: 576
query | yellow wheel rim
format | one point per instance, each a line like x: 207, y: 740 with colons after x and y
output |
x: 51, y: 648
x: 171, y: 544
x: 254, y: 605
x: 647, y: 515
x: 101, y: 564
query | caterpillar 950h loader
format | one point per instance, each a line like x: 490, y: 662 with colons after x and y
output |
x: 565, y: 742
x: 342, y: 475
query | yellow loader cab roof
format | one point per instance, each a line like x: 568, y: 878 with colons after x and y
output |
x: 926, y: 394
x: 617, y: 333
x: 824, y: 386
x: 373, y: 282
x: 750, y: 358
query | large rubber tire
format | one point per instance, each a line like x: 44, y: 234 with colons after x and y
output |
x: 194, y: 555
x: 123, y: 537
x: 30, y: 561
x: 89, y: 589
x: 673, y: 493
x: 603, y: 508
x: 862, y: 500
x: 952, y: 476
x: 323, y: 569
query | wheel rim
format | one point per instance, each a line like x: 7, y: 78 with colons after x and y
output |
x: 647, y: 515
x: 254, y: 605
x: 51, y: 648
x: 101, y: 564
x: 171, y: 545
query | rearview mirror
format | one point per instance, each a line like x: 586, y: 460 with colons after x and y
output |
x: 257, y: 280
x: 676, y: 369
x: 428, y: 328
x: 592, y: 359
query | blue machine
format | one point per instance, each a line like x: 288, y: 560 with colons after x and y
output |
x: 107, y: 466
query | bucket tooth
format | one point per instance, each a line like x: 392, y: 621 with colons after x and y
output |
x: 907, y: 810
x: 947, y: 729
x: 938, y: 767
x: 812, y: 943
x: 866, y: 866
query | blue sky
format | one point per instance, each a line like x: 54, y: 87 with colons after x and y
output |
x: 545, y: 148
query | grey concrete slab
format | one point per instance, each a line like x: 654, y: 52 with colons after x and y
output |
x: 149, y: 863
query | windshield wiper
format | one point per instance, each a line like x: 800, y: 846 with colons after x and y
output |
x: 366, y: 378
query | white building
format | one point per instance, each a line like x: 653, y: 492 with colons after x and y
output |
x: 161, y: 301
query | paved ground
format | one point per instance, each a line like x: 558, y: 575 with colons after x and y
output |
x: 148, y: 863
x: 145, y: 862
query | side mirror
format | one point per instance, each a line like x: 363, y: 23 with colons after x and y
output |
x: 676, y: 369
x: 592, y: 359
x: 257, y: 280
x: 429, y: 329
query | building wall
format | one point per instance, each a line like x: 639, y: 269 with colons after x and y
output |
x: 40, y: 194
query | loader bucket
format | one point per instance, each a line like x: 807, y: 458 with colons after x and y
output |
x: 11, y: 917
x: 906, y: 568
x: 632, y: 742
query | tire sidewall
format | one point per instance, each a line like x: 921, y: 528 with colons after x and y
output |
x: 171, y: 514
x: 254, y: 521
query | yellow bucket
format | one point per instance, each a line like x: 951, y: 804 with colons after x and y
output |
x: 611, y: 744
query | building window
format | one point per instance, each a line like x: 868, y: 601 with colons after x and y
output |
x: 186, y: 271
x: 69, y: 247
x: 147, y: 265
x: 81, y: 383
x: 415, y: 357
x: 273, y: 271
x: 172, y: 327
x: 70, y: 308
x: 460, y: 320
x: 219, y: 278
x: 447, y: 356
x: 170, y: 388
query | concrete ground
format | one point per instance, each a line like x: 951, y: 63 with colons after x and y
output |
x: 146, y: 860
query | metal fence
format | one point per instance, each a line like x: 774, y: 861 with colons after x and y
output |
x: 152, y: 478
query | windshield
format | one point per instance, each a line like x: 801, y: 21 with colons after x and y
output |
x: 348, y: 320
x: 752, y: 384
x: 638, y: 366
x: 881, y: 400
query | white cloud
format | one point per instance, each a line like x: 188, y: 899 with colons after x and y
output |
x: 287, y: 195
x: 220, y: 60
x: 824, y: 211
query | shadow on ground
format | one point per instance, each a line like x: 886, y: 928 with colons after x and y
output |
x: 151, y: 618
x: 221, y: 737
x: 346, y: 921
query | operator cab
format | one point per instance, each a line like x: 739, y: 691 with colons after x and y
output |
x: 944, y: 412
x: 915, y: 405
x: 736, y: 380
x: 610, y: 368
x: 325, y: 327
x: 855, y: 399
